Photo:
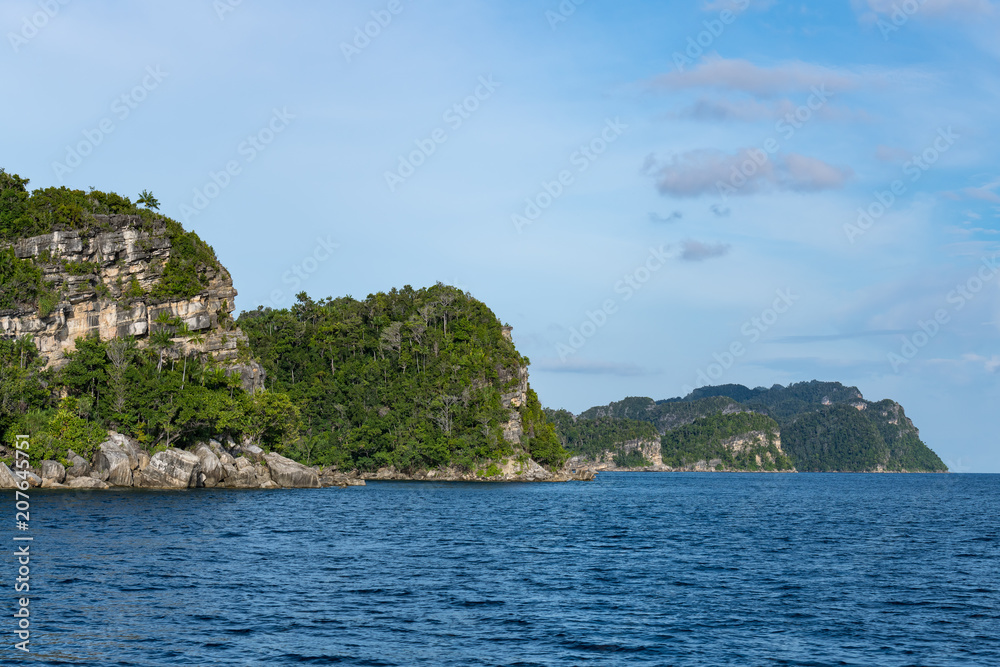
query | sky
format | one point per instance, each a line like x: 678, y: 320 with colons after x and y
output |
x: 655, y: 195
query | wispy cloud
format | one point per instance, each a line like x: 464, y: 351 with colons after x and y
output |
x: 749, y: 110
x: 702, y: 171
x: 745, y: 76
x: 960, y: 9
x: 673, y: 217
x: 991, y: 364
x: 823, y: 338
x: 885, y: 153
x: 587, y: 367
x: 696, y: 251
x: 736, y: 5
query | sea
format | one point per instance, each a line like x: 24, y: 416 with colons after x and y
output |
x: 629, y: 569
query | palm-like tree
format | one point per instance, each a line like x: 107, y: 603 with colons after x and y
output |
x: 147, y: 199
x: 161, y: 340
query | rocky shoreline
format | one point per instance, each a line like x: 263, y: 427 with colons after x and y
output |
x: 121, y: 462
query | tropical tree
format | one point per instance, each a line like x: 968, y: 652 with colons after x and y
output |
x: 147, y: 199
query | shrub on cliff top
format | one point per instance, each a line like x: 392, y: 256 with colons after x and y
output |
x: 21, y: 284
x: 24, y: 214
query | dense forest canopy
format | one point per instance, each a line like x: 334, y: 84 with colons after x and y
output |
x: 705, y: 440
x: 590, y: 438
x: 824, y: 426
x: 409, y: 378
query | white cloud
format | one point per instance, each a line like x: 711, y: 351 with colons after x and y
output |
x: 991, y: 364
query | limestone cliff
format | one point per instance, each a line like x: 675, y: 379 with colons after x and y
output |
x: 108, y: 279
x: 648, y: 449
x: 513, y: 400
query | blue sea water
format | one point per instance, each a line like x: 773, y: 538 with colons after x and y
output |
x: 632, y: 568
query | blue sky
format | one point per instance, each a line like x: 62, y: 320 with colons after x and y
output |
x: 654, y: 194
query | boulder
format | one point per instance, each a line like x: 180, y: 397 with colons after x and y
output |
x: 8, y: 480
x: 114, y: 463
x: 252, y: 452
x: 286, y: 472
x: 336, y: 478
x: 128, y: 446
x: 240, y: 475
x: 535, y: 473
x: 170, y: 469
x: 53, y: 471
x: 49, y: 484
x: 262, y: 473
x: 86, y: 483
x: 221, y: 452
x: 79, y: 467
x: 33, y: 479
x: 211, y: 466
x: 143, y: 457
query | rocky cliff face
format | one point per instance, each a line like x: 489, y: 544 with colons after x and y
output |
x: 756, y: 443
x: 122, y: 462
x: 513, y: 430
x: 106, y: 276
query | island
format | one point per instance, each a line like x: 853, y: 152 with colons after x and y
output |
x: 122, y: 363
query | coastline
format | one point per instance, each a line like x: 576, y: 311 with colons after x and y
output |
x: 120, y: 462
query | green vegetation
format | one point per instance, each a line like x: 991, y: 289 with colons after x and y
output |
x: 185, y: 273
x: 81, y: 268
x: 112, y: 384
x: 22, y: 286
x: 54, y: 433
x: 542, y: 440
x: 664, y: 415
x: 43, y: 211
x: 843, y: 438
x: 631, y: 459
x: 824, y: 426
x: 708, y: 438
x: 409, y: 378
x: 24, y: 214
x: 590, y: 438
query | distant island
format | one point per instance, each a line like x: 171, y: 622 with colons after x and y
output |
x: 120, y: 359
x: 808, y: 427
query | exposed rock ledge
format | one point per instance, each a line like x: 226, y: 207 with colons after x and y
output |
x: 120, y: 462
x: 511, y: 471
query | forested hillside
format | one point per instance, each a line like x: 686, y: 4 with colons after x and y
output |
x: 741, y: 441
x: 590, y: 438
x: 410, y: 379
x: 164, y: 386
x: 823, y: 426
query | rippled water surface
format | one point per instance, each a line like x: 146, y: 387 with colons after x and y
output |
x: 658, y: 569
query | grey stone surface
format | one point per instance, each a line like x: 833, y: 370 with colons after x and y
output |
x: 211, y: 466
x: 170, y: 469
x: 53, y: 470
x: 286, y: 472
x: 86, y: 483
x: 113, y: 464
